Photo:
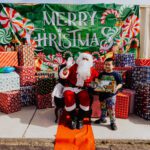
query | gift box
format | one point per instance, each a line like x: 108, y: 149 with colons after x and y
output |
x: 27, y: 75
x: 123, y: 60
x: 8, y: 59
x: 131, y: 94
x: 141, y: 74
x: 9, y: 81
x: 25, y: 55
x: 43, y: 101
x: 122, y: 105
x: 45, y: 82
x: 142, y: 62
x: 99, y: 66
x: 142, y: 100
x: 104, y: 86
x: 96, y: 109
x: 27, y: 95
x: 10, y: 101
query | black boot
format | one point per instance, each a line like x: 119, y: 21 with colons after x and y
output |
x: 73, y: 117
x: 81, y: 115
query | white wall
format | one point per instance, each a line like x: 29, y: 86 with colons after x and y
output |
x: 142, y: 2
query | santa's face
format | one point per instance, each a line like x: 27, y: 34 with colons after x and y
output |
x: 85, y: 62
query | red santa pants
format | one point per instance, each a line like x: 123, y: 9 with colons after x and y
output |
x: 70, y: 102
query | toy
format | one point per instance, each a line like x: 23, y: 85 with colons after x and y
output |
x: 7, y: 69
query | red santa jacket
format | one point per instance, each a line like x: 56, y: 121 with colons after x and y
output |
x: 72, y: 77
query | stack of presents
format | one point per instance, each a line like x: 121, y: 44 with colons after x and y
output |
x: 23, y: 86
x: 135, y: 95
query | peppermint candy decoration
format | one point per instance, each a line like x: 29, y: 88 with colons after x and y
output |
x: 49, y: 57
x: 123, y: 9
x: 59, y: 59
x: 10, y: 19
x: 131, y: 26
x: 26, y: 29
x: 5, y: 36
x: 108, y: 12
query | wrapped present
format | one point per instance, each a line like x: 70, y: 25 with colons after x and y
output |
x: 142, y: 100
x: 9, y: 81
x: 10, y: 101
x: 43, y: 101
x: 124, y: 60
x: 25, y: 55
x: 8, y: 59
x: 131, y: 94
x: 142, y: 62
x: 99, y: 66
x: 45, y: 82
x: 141, y: 74
x: 96, y: 110
x: 122, y: 105
x: 27, y: 95
x: 27, y: 75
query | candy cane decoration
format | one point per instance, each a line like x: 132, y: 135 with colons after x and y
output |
x: 67, y: 52
x: 108, y: 12
x: 136, y: 40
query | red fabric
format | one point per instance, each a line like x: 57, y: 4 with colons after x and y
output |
x: 67, y: 139
x: 72, y: 78
x: 70, y: 96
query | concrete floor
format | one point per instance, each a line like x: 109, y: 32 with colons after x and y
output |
x: 33, y: 123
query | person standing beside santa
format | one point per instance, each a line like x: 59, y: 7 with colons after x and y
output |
x: 78, y: 77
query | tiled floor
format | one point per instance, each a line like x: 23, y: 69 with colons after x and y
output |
x: 33, y: 123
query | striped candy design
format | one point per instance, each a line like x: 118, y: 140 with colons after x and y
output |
x: 27, y: 28
x: 108, y: 12
x: 131, y: 26
x: 10, y: 19
x: 8, y: 59
x: 5, y: 36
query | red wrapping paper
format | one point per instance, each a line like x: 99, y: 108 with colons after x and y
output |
x: 10, y: 102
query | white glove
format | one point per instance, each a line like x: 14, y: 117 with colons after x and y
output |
x: 70, y: 62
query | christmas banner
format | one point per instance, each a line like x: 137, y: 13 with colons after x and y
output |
x: 58, y: 31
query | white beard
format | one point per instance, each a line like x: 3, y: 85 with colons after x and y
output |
x: 84, y: 69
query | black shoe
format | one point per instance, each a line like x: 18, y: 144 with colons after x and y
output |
x: 113, y: 126
x: 100, y: 121
x: 73, y: 124
x: 79, y: 124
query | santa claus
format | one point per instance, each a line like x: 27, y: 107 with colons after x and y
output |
x: 78, y: 78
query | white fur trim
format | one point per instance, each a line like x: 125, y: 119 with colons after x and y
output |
x: 61, y: 74
x: 58, y: 90
x: 70, y: 108
x: 85, y: 108
x: 80, y: 81
x: 75, y: 90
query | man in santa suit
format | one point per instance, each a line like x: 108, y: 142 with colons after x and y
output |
x: 78, y: 78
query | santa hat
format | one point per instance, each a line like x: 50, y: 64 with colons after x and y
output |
x: 85, y: 55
